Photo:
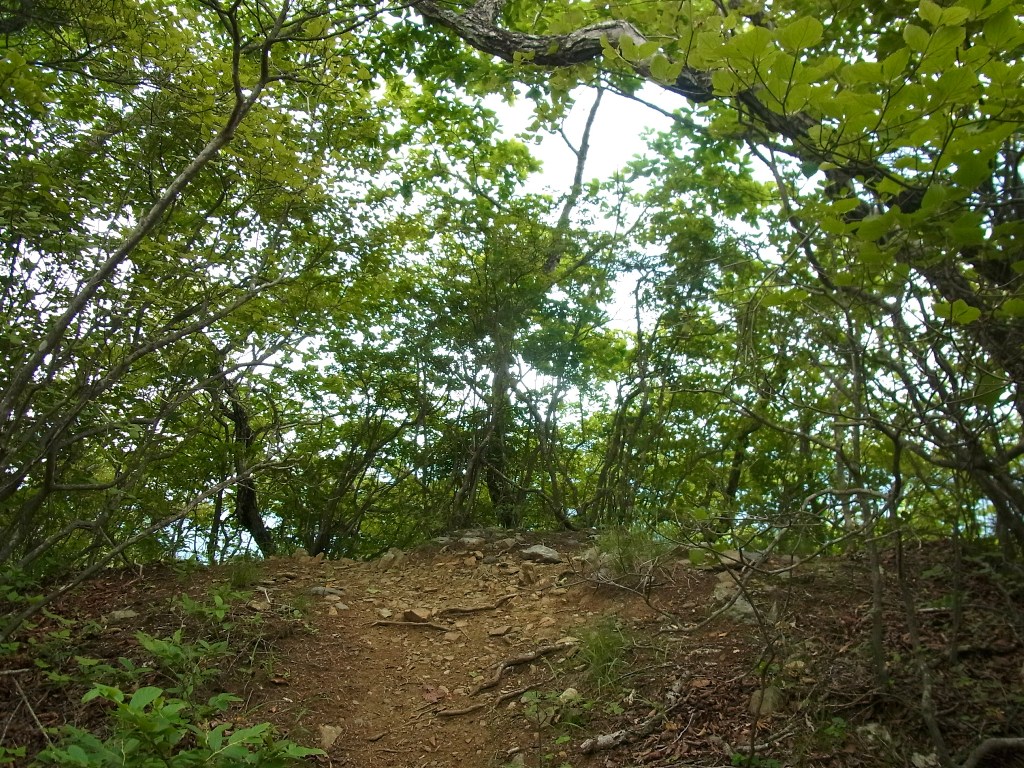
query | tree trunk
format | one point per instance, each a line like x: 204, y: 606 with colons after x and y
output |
x: 497, y: 470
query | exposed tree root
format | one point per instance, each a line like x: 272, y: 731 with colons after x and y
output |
x: 520, y: 691
x: 509, y: 663
x: 992, y: 745
x: 463, y: 711
x: 430, y: 624
x: 456, y: 610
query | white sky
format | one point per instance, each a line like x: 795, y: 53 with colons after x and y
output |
x: 617, y: 135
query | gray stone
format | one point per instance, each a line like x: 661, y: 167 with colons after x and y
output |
x: 742, y: 610
x: 326, y: 591
x: 115, y: 616
x: 541, y: 554
x: 766, y: 701
x: 328, y: 735
x: 391, y: 559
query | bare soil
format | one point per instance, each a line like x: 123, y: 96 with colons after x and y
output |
x: 462, y: 654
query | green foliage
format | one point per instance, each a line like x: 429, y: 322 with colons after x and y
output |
x: 151, y: 729
x: 172, y: 725
x: 554, y: 710
x: 190, y: 665
x: 243, y: 571
x: 278, y: 288
x: 631, y: 556
x: 8, y: 755
x: 215, y: 613
x: 605, y: 648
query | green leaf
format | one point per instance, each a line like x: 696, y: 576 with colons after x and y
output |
x: 916, y: 38
x: 930, y: 12
x: 804, y: 33
x: 665, y: 71
x: 954, y: 16
x: 989, y: 390
x: 933, y: 198
x: 874, y: 227
x: 725, y: 82
x: 628, y: 48
x: 752, y: 43
x: 1013, y: 307
x: 143, y: 697
x: 75, y: 752
x: 104, y: 691
x: 958, y: 312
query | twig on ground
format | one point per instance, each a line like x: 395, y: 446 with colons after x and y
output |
x: 28, y: 705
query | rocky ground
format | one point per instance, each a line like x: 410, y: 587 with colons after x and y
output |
x: 491, y: 648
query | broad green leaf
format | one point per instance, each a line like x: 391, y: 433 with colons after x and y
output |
x: 954, y: 16
x: 751, y: 44
x: 665, y: 71
x: 989, y: 389
x: 916, y: 38
x: 143, y: 697
x: 725, y: 82
x: 958, y: 312
x: 930, y: 12
x: 799, y: 35
x: 874, y: 227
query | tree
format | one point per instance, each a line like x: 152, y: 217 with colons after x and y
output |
x: 914, y: 133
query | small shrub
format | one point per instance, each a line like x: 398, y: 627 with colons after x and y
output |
x: 753, y: 761
x: 189, y: 665
x: 633, y: 557
x: 214, y: 614
x: 603, y: 647
x: 244, y: 571
x: 153, y: 730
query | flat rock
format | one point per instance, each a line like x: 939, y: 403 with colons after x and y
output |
x: 115, y: 616
x: 418, y: 615
x: 472, y: 542
x: 541, y: 554
x: 390, y: 559
x: 326, y: 591
x: 742, y: 610
x: 766, y: 701
x: 328, y: 735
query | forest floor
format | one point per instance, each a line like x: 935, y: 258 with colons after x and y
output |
x: 462, y: 653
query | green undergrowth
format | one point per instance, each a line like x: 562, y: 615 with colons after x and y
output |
x: 161, y: 704
x: 557, y: 717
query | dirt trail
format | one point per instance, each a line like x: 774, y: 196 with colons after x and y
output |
x: 428, y: 660
x: 403, y: 668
